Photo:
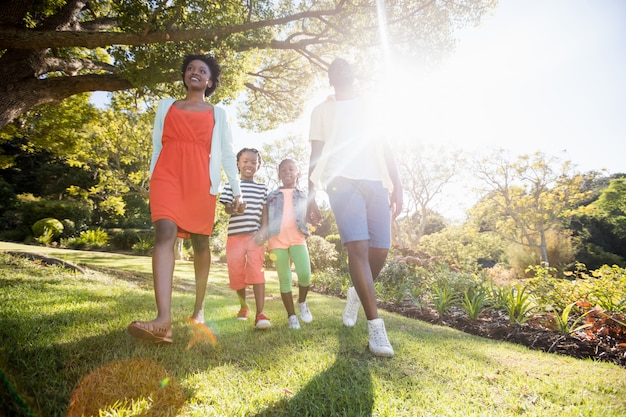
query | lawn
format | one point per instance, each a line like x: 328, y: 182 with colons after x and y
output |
x: 64, y: 350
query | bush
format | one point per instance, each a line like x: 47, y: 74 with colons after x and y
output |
x: 331, y: 281
x: 323, y: 254
x: 69, y: 228
x: 89, y: 239
x: 144, y: 245
x: 48, y: 226
x: 19, y: 234
x: 123, y: 239
x: 342, y: 253
x: 32, y: 210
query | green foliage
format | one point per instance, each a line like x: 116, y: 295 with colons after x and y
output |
x: 69, y: 228
x: 474, y: 301
x: 604, y: 287
x: 8, y: 198
x: 394, y: 281
x: 331, y: 281
x: 144, y: 245
x: 609, y: 289
x: 89, y: 239
x: 611, y: 205
x: 32, y: 210
x: 464, y: 246
x: 322, y: 253
x: 342, y: 253
x: 598, y: 227
x: 516, y: 302
x: 527, y: 197
x: 46, y: 238
x: 50, y: 226
x: 124, y: 239
x: 563, y: 323
x: 443, y: 298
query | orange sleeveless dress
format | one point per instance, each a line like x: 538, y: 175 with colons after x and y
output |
x: 180, y: 182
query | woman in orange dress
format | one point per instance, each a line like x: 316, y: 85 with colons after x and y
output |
x: 192, y: 144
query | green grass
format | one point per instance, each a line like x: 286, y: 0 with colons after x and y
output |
x: 64, y: 350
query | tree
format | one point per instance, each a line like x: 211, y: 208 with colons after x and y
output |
x: 53, y: 49
x: 611, y: 205
x: 599, y: 226
x: 424, y: 173
x: 526, y: 198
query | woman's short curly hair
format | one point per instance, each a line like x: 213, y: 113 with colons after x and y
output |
x: 213, y: 67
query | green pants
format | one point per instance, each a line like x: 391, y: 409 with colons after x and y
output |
x: 299, y: 254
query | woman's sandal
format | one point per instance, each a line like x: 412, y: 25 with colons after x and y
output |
x: 147, y: 331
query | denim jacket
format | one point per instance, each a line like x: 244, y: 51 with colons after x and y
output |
x: 275, y: 203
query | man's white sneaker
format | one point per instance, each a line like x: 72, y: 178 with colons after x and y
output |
x: 351, y: 311
x: 378, y: 341
x: 293, y: 322
x: 305, y: 313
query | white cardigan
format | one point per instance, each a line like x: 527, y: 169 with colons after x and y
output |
x: 222, y: 154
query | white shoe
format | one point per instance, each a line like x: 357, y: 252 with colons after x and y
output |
x: 351, y: 311
x: 293, y: 322
x: 378, y: 342
x: 305, y: 313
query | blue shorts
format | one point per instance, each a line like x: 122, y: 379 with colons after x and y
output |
x: 361, y: 209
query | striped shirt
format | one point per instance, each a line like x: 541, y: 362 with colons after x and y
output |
x: 254, y: 194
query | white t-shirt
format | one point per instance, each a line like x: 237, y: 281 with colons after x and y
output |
x: 354, y: 155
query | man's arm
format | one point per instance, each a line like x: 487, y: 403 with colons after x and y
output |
x: 313, y: 211
x: 396, y: 198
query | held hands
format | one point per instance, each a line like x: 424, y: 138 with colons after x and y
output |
x: 313, y: 213
x: 238, y: 206
x: 260, y: 237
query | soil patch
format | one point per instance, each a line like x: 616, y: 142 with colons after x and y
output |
x: 534, y: 335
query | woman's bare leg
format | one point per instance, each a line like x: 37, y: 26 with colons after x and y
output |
x: 201, y: 266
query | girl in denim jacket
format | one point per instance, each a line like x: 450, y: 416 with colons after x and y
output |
x: 287, y: 231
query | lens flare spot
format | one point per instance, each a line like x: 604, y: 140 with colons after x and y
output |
x: 200, y: 333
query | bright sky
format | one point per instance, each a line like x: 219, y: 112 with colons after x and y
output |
x: 545, y: 75
x: 537, y: 75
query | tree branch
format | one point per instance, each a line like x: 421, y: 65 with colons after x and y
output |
x: 42, y: 39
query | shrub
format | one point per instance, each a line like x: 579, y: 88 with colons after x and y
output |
x: 32, y: 209
x: 123, y: 239
x: 443, y: 298
x: 474, y: 301
x: 517, y: 303
x: 19, y: 234
x: 323, y: 254
x: 396, y: 280
x: 342, y: 253
x: 69, y: 228
x: 144, y: 245
x: 331, y: 281
x: 89, y: 239
x: 564, y: 324
x: 49, y: 226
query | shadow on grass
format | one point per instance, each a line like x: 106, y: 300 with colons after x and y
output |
x: 344, y: 389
